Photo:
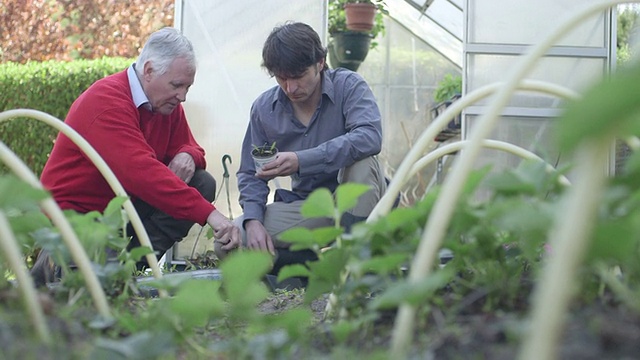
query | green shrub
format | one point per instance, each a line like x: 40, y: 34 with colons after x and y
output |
x: 51, y: 87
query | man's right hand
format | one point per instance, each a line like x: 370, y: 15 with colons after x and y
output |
x: 224, y: 230
x: 257, y: 237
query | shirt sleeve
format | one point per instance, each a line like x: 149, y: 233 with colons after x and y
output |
x: 253, y: 190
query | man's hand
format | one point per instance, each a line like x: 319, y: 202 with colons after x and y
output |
x: 257, y: 237
x: 286, y: 163
x: 224, y: 231
x: 183, y: 166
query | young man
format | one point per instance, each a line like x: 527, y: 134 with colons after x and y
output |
x: 327, y: 127
x: 135, y: 121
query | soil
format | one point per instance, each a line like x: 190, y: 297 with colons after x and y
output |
x: 592, y: 332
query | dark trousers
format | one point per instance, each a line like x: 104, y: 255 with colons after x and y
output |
x: 163, y: 230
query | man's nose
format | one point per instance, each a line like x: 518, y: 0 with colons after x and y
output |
x: 291, y: 86
x: 182, y: 95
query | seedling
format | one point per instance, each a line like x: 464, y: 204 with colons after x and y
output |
x: 264, y: 150
x: 264, y: 154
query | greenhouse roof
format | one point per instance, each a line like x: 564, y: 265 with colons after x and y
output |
x: 438, y: 22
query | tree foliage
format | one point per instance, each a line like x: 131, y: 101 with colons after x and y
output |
x: 627, y: 20
x: 40, y: 30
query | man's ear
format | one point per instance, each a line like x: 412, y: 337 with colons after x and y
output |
x: 147, y: 70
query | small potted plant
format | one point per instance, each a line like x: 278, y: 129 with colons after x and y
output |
x: 263, y: 154
x: 350, y: 40
x: 449, y: 89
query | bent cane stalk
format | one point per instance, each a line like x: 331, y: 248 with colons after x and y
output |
x: 426, y: 138
x: 490, y: 144
x: 12, y: 254
x: 439, y: 152
x: 412, y: 160
x: 569, y: 243
x: 52, y: 209
x: 443, y: 209
x: 104, y: 169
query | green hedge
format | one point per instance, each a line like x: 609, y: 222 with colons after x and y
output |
x: 51, y: 87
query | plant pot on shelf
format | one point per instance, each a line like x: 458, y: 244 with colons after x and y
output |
x: 360, y: 16
x: 349, y: 49
x: 263, y: 154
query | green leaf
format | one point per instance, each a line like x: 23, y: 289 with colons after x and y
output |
x: 303, y: 238
x: 615, y: 241
x: 382, y: 264
x: 196, y: 302
x: 632, y: 163
x: 29, y: 222
x: 16, y: 194
x: 242, y: 274
x: 511, y: 183
x: 295, y: 321
x: 318, y: 204
x: 294, y: 270
x: 141, y: 345
x: 138, y: 252
x: 342, y: 329
x: 115, y: 206
x: 317, y: 288
x: 298, y: 235
x: 326, y: 273
x: 411, y: 292
x: 475, y: 179
x: 347, y: 195
x: 611, y: 107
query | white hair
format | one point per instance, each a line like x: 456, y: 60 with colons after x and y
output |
x: 162, y: 48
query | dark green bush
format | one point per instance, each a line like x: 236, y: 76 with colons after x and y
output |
x: 51, y: 87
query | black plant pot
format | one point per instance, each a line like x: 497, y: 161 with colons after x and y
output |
x: 349, y: 49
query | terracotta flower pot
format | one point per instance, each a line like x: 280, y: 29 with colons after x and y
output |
x: 360, y: 16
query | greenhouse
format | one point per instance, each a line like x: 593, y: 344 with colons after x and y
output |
x: 491, y: 143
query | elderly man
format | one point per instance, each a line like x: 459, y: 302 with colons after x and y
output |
x: 135, y: 121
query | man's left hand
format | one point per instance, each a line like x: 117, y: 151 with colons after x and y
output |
x: 285, y: 164
x: 183, y: 166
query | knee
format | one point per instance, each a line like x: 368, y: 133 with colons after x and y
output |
x: 366, y: 171
x: 204, y: 183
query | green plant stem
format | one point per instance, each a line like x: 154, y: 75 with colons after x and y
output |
x: 332, y: 300
x: 443, y: 209
x: 568, y: 241
x: 104, y: 170
x: 12, y: 254
x: 23, y: 172
x: 426, y: 138
x: 628, y: 297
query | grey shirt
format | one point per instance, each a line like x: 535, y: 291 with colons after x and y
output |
x: 345, y: 128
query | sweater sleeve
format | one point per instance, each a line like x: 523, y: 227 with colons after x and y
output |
x: 117, y: 136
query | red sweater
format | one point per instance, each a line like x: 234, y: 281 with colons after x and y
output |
x: 136, y: 144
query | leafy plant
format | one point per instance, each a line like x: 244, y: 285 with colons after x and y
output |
x: 449, y: 86
x: 338, y: 21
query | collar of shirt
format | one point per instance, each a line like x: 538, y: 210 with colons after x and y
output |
x: 139, y: 97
